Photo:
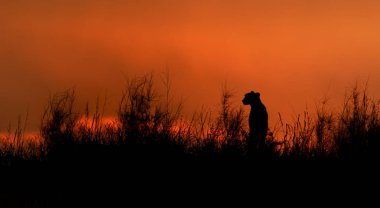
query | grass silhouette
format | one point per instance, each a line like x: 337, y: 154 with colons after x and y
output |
x: 150, y: 141
x: 149, y: 128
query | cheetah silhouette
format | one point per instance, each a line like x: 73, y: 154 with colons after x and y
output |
x: 258, y: 120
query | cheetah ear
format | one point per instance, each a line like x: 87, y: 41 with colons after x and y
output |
x: 252, y: 92
x: 258, y: 94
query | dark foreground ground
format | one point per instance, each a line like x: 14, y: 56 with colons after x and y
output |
x: 101, y: 180
x: 141, y: 160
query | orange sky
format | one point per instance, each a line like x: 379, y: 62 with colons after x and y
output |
x: 293, y: 52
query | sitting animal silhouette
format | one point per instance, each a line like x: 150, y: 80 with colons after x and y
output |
x: 258, y: 121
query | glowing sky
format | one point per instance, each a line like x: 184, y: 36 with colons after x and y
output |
x: 293, y: 51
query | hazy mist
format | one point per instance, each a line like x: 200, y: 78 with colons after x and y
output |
x: 293, y: 52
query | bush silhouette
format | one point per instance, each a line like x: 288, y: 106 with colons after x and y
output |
x: 150, y: 126
x: 150, y: 136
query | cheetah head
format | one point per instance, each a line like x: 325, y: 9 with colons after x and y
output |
x: 251, y: 98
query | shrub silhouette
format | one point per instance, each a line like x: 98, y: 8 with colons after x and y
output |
x: 150, y: 126
x: 149, y: 132
x: 145, y: 122
x: 358, y: 125
x: 58, y: 122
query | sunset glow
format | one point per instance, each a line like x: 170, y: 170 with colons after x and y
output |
x: 110, y: 101
x: 293, y: 52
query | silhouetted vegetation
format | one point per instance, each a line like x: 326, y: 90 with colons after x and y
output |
x: 150, y: 134
x: 151, y: 127
x: 349, y: 134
